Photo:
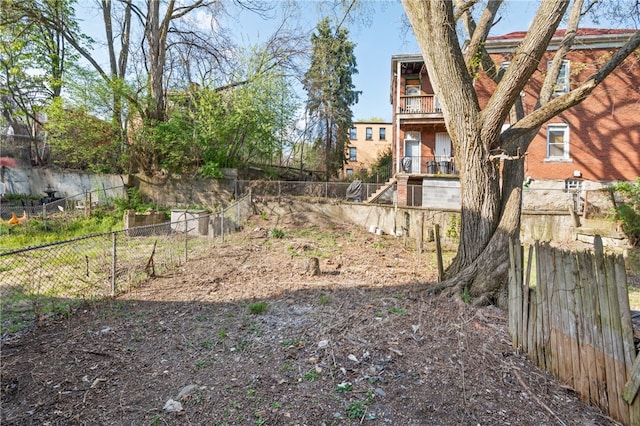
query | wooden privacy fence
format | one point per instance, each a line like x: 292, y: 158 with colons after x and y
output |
x: 576, y: 323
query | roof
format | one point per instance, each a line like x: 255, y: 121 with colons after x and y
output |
x: 586, y: 38
x: 582, y: 32
x: 377, y: 123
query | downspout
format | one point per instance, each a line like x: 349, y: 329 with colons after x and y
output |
x: 397, y: 137
x: 397, y: 109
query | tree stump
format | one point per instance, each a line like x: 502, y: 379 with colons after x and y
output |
x: 312, y: 266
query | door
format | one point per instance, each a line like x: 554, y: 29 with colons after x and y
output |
x: 443, y: 147
x: 413, y: 103
x: 412, y: 151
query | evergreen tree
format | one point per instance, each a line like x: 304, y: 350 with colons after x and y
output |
x: 330, y: 92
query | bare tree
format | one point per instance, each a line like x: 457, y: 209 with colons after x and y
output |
x: 491, y: 196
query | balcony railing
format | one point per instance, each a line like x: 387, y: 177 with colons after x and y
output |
x: 419, y: 104
x: 425, y: 165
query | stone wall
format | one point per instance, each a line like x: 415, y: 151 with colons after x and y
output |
x: 406, y: 221
x: 538, y: 196
x: 34, y: 181
x: 183, y: 192
x: 545, y: 203
x: 134, y: 220
x: 550, y: 195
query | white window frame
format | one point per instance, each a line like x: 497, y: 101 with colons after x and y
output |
x: 562, y: 84
x: 564, y: 129
x: 353, y: 150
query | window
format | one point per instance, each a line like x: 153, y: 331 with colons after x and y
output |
x: 557, y: 142
x: 352, y: 154
x: 353, y: 133
x: 349, y: 172
x: 562, y: 84
x: 383, y: 133
x: 369, y: 133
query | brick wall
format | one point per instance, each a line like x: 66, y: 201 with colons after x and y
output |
x: 604, y: 130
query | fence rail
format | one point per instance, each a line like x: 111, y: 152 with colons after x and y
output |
x: 429, y: 165
x: 576, y: 323
x: 336, y: 190
x: 36, y: 281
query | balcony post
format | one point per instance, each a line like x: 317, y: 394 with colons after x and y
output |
x: 397, y: 121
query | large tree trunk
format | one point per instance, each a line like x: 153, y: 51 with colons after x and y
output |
x: 156, y: 34
x: 118, y: 67
x: 434, y: 28
x: 491, y: 191
x: 490, y: 196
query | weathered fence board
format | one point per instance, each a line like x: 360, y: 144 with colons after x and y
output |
x: 576, y: 323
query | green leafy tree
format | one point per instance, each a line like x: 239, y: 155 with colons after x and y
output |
x: 79, y: 140
x: 209, y: 128
x: 34, y: 61
x: 381, y: 168
x: 158, y: 48
x: 628, y: 209
x: 331, y: 92
x: 245, y: 125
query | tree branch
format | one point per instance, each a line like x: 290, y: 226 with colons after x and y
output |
x: 566, y: 101
x: 525, y: 61
x: 463, y: 7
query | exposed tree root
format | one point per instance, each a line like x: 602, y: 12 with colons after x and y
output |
x: 484, y: 281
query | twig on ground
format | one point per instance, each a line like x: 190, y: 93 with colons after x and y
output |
x: 538, y: 400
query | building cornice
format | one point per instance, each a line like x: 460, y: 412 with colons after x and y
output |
x: 582, y: 42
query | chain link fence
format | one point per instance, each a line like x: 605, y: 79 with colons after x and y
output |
x: 336, y: 190
x: 36, y: 282
x: 70, y: 207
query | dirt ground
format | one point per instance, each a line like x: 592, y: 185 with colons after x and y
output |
x: 244, y: 336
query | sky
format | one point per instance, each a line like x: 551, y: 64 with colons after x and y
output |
x: 380, y: 35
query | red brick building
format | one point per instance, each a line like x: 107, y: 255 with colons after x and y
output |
x: 595, y: 141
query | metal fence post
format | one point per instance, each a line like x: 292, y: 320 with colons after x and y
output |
x: 114, y: 264
x: 185, y: 237
x: 222, y: 224
x: 326, y: 190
